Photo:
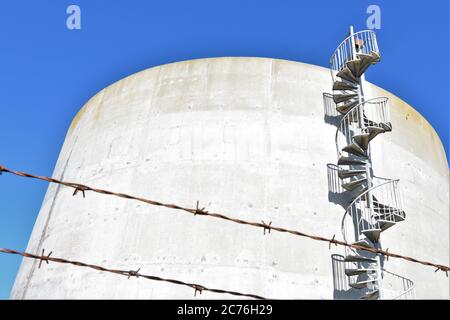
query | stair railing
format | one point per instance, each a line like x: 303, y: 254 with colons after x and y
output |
x: 375, y: 112
x: 358, y: 217
x: 397, y: 287
x: 365, y: 40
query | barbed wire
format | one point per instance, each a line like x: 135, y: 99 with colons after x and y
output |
x: 202, y: 212
x: 128, y: 273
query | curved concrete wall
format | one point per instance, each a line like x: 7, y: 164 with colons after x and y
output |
x: 246, y: 137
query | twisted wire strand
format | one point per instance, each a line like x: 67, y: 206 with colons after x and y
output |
x: 128, y: 273
x: 203, y: 212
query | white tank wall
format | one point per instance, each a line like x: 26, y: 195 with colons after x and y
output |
x: 246, y: 137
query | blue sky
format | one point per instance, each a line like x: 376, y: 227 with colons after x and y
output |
x: 48, y: 72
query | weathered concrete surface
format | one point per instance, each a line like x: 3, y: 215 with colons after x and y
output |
x: 246, y: 137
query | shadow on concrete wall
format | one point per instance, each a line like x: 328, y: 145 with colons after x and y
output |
x: 341, y: 282
x: 331, y: 115
x: 336, y: 194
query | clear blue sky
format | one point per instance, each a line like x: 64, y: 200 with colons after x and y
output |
x: 48, y: 72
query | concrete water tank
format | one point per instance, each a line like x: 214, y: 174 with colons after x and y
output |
x: 247, y: 137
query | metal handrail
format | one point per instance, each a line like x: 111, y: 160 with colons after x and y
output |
x: 408, y: 283
x: 357, y: 199
x: 384, y: 116
x: 372, y: 44
x: 385, y: 179
x: 410, y: 289
x: 347, y: 38
x: 362, y: 103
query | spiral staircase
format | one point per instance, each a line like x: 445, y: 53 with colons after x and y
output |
x: 377, y: 204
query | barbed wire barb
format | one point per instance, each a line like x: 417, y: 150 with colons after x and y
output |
x: 199, y: 211
x: 266, y: 226
x: 43, y: 257
x: 332, y: 241
x: 132, y: 273
x: 79, y: 188
x: 198, y: 289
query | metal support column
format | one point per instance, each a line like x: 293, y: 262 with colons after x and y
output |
x: 369, y: 176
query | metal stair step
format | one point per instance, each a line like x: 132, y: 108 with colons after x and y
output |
x: 385, y: 224
x: 389, y: 216
x: 342, y: 97
x: 386, y: 212
x: 362, y: 284
x: 355, y: 149
x: 350, y: 173
x: 358, y: 258
x: 386, y: 126
x: 364, y: 65
x: 353, y: 184
x: 374, y: 131
x: 373, y: 56
x: 362, y: 140
x: 354, y: 66
x: 347, y: 106
x: 362, y: 55
x: 372, y: 234
x: 355, y: 272
x: 372, y: 295
x: 349, y: 161
x: 370, y: 59
x: 358, y: 67
x: 376, y: 56
x: 346, y: 74
x: 344, y: 85
x: 364, y: 243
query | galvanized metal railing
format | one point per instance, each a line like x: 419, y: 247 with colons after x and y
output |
x: 376, y: 208
x: 334, y: 182
x: 363, y: 41
x: 329, y: 105
x: 397, y: 287
x: 372, y: 209
x: 373, y: 112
